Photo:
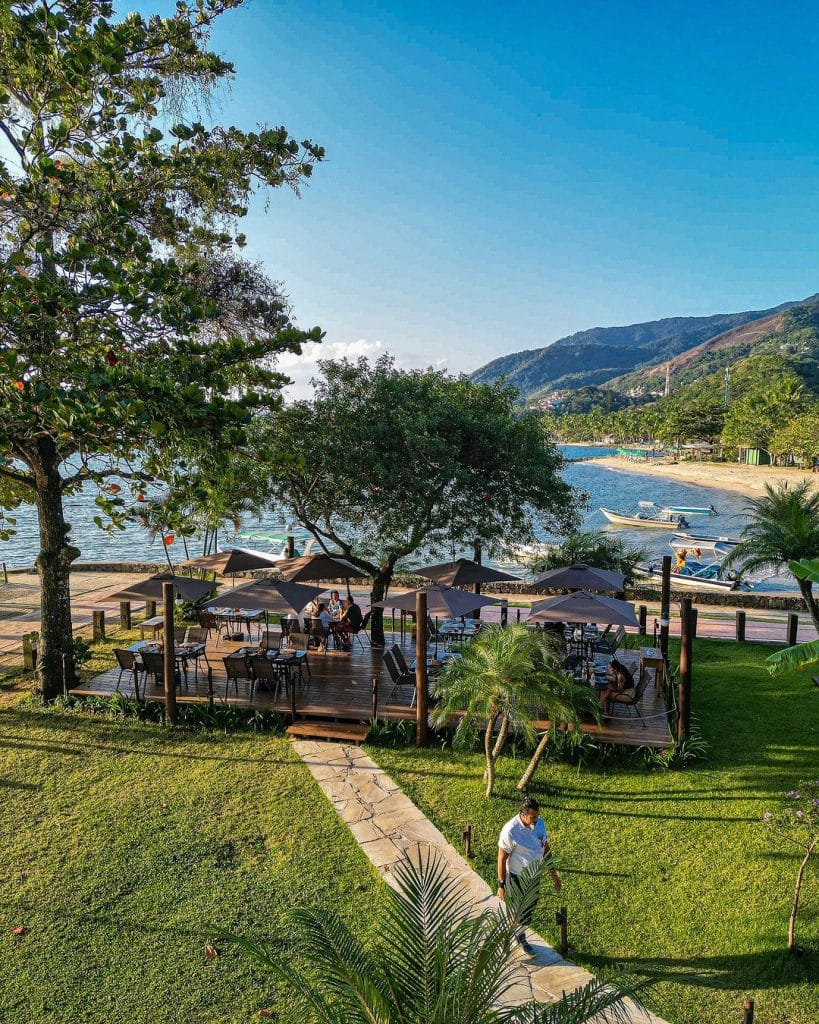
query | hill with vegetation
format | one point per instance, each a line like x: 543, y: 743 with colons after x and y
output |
x: 605, y: 355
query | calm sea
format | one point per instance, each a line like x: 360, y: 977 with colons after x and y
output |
x: 606, y: 487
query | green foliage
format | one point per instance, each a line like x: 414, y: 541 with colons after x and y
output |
x: 410, y: 459
x: 131, y: 325
x: 436, y: 961
x: 799, y: 437
x: 596, y: 548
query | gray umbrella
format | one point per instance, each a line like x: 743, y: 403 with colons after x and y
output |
x: 317, y: 567
x: 235, y: 560
x: 583, y: 607
x: 581, y: 577
x: 151, y: 589
x: 275, y: 596
x: 462, y: 572
x: 440, y: 601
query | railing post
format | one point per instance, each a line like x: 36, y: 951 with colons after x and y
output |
x: 98, y: 620
x: 642, y: 616
x: 125, y: 615
x: 421, y: 681
x: 665, y: 605
x: 504, y: 611
x: 169, y: 661
x: 740, y: 626
x: 467, y: 834
x: 150, y: 609
x: 375, y: 698
x: 562, y: 919
x: 684, y: 686
x: 793, y: 628
x: 29, y: 659
x: 693, y: 622
x: 748, y: 1011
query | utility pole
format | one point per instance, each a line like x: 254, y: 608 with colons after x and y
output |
x: 726, y: 397
x: 667, y: 379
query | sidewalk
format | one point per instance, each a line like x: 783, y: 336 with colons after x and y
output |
x: 389, y: 827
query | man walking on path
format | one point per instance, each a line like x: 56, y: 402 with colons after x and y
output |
x: 523, y: 841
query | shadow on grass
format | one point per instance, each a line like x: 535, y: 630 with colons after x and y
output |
x: 771, y: 968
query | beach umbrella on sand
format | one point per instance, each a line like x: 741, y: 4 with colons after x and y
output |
x: 318, y: 567
x: 581, y: 577
x: 185, y: 589
x: 277, y: 596
x: 440, y: 601
x: 584, y: 607
x: 462, y: 572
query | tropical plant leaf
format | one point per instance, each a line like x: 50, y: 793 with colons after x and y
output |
x: 793, y: 659
x: 805, y: 569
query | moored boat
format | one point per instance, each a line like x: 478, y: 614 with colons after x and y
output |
x: 649, y: 520
x: 681, y: 510
x: 716, y: 548
x: 693, y: 575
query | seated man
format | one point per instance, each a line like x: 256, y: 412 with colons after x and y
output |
x: 618, y: 680
x: 350, y: 622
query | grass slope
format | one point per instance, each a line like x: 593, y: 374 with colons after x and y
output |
x: 122, y: 844
x: 670, y: 873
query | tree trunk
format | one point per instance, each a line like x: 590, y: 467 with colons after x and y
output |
x: 55, y: 659
x: 797, y: 893
x: 380, y: 585
x: 806, y: 590
x: 490, y: 760
x: 540, y: 750
x: 500, y: 742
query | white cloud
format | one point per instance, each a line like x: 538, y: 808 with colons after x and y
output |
x: 301, y: 368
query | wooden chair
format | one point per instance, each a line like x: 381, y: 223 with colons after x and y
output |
x: 128, y: 661
x: 236, y: 668
x: 631, y: 700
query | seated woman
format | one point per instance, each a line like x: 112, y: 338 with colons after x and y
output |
x: 334, y: 606
x: 618, y: 680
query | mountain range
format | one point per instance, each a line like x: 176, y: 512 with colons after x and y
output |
x: 632, y: 360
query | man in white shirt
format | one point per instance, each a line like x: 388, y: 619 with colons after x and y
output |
x: 523, y: 841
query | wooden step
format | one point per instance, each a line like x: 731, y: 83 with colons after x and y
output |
x: 342, y: 731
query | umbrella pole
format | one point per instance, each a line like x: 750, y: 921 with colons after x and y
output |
x: 421, y: 679
x: 436, y: 637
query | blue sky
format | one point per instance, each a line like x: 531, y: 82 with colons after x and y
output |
x: 500, y: 175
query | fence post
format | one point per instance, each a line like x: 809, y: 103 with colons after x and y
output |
x: 5, y: 573
x: 665, y: 605
x: 740, y: 627
x: 169, y: 661
x: 684, y: 686
x: 504, y: 611
x: 150, y: 609
x: 517, y: 615
x: 748, y: 1011
x: 29, y: 660
x: 693, y: 623
x: 421, y: 674
x: 375, y: 698
x: 642, y: 615
x: 467, y: 834
x: 125, y: 615
x: 561, y: 918
x: 793, y: 627
x: 98, y: 619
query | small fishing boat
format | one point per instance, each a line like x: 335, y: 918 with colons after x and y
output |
x: 716, y: 548
x: 693, y: 575
x: 655, y: 520
x: 681, y: 510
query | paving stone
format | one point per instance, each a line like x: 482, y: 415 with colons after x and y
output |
x: 382, y: 851
x: 395, y: 821
x: 365, y: 831
x: 373, y: 793
x: 354, y: 810
x: 323, y: 771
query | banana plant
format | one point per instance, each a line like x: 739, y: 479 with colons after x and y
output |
x: 791, y: 659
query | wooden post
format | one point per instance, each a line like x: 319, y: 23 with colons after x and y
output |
x: 504, y: 611
x: 467, y: 834
x: 748, y: 1011
x: 693, y: 623
x: 98, y: 628
x: 210, y: 685
x: 291, y: 546
x: 421, y: 690
x: 125, y: 615
x: 665, y: 605
x: 476, y: 587
x: 642, y: 616
x: 169, y: 664
x: 5, y: 573
x: 375, y: 698
x: 29, y: 657
x: 684, y: 688
x: 517, y: 615
x: 150, y: 609
x: 562, y: 919
x: 793, y: 628
x: 740, y: 626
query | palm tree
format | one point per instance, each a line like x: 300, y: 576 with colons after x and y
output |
x: 437, y: 961
x: 594, y: 547
x: 506, y: 678
x: 783, y: 528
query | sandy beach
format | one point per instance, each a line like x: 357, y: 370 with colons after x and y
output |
x: 749, y: 480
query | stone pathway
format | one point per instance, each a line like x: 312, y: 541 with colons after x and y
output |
x: 389, y: 827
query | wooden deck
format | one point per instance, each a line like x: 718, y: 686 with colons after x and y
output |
x: 340, y: 689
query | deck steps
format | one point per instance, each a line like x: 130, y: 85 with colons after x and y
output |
x: 342, y: 732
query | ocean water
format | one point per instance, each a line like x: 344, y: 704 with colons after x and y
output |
x: 611, y: 488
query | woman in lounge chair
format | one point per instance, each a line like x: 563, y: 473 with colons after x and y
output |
x: 618, y: 680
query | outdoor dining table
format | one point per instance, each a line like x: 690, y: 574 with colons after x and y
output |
x: 239, y: 616
x: 182, y: 653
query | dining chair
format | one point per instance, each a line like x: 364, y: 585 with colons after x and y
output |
x: 299, y: 646
x: 236, y: 668
x: 129, y: 661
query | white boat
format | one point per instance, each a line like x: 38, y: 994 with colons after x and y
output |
x: 716, y: 548
x: 681, y: 510
x: 650, y: 520
x: 694, y: 575
x: 301, y: 545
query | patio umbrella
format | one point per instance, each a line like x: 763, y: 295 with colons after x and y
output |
x: 227, y: 563
x: 581, y: 577
x: 440, y: 601
x: 277, y: 596
x: 462, y: 572
x: 318, y: 567
x: 584, y: 607
x: 151, y: 589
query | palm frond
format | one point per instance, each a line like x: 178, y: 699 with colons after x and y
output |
x: 594, y: 1001
x: 793, y: 659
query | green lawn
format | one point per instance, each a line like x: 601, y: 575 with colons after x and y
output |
x: 670, y: 873
x: 122, y: 843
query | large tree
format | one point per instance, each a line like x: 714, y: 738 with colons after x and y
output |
x: 128, y: 322
x: 384, y: 463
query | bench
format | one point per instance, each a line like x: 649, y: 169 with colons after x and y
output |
x: 154, y: 624
x: 345, y: 732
